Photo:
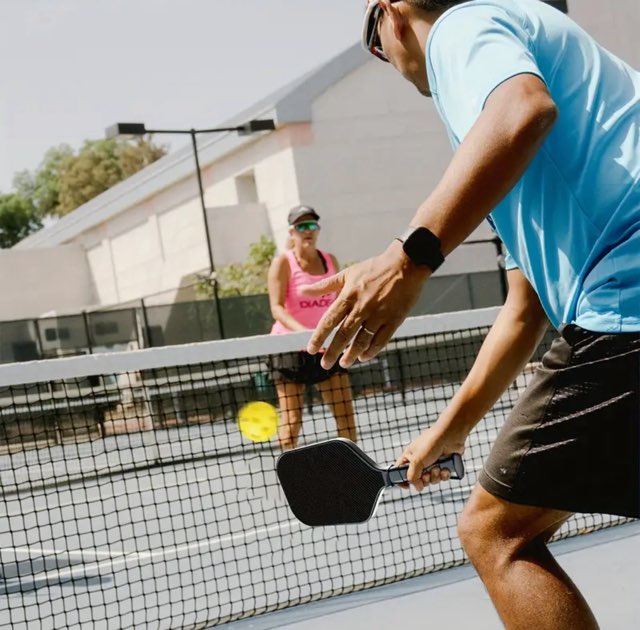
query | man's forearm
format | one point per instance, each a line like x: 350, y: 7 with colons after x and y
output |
x: 507, y: 348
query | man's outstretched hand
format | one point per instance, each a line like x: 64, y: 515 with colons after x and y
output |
x: 374, y: 298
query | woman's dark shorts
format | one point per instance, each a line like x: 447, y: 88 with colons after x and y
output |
x: 301, y: 367
x: 572, y: 441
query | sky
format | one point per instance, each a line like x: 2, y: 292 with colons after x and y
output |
x: 70, y: 68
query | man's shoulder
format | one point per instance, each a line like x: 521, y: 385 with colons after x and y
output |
x: 462, y: 22
x: 474, y: 9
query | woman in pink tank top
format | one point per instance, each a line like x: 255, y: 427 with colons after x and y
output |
x: 304, y: 264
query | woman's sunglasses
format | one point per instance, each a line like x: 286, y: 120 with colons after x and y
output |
x: 370, y: 38
x: 307, y: 226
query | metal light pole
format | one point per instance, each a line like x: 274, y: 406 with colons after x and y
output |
x: 139, y: 129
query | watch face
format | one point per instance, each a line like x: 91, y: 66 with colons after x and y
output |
x: 423, y: 248
x: 412, y: 248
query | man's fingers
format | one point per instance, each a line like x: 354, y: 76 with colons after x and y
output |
x: 403, y: 460
x: 339, y: 342
x: 350, y: 329
x: 330, y: 320
x: 360, y: 344
x: 378, y: 342
x: 420, y: 478
x: 415, y: 471
x: 370, y: 339
x: 328, y: 285
x: 351, y: 333
x: 434, y: 475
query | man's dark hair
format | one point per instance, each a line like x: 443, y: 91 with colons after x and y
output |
x: 434, y: 5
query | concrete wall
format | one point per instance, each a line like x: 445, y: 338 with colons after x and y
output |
x: 148, y: 248
x: 264, y: 172
x: 38, y: 281
x: 234, y: 228
x: 159, y: 252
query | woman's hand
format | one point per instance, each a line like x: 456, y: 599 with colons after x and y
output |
x: 374, y: 298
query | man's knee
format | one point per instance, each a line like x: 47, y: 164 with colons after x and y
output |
x: 493, y: 531
x: 475, y: 529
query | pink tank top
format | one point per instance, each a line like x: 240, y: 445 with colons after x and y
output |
x: 307, y: 310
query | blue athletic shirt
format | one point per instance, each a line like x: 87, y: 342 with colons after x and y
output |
x: 572, y: 223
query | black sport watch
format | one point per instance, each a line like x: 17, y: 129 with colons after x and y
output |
x: 422, y: 247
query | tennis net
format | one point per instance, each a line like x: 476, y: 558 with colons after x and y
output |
x: 129, y: 498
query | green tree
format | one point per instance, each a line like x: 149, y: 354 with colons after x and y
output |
x: 65, y: 180
x: 99, y: 165
x: 18, y: 219
x: 42, y: 188
x: 246, y: 278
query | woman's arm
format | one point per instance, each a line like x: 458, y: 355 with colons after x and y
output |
x: 277, y: 282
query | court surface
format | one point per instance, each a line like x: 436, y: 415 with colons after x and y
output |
x: 605, y: 565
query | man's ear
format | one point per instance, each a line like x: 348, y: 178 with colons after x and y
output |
x: 398, y: 19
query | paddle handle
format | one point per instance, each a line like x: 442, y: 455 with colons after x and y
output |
x: 452, y: 463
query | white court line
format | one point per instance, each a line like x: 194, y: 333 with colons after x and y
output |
x: 40, y: 551
x: 135, y: 557
x: 101, y: 498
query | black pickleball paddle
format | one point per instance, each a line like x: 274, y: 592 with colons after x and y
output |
x: 335, y: 482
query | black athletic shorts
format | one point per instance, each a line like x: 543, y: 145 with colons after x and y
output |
x: 301, y: 367
x: 572, y: 441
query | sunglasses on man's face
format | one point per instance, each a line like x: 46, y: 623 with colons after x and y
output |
x: 307, y: 226
x: 370, y: 36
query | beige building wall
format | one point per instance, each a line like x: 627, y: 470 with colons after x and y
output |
x: 35, y: 282
x: 234, y: 228
x: 148, y: 248
x: 159, y: 244
x: 141, y: 252
x: 264, y: 173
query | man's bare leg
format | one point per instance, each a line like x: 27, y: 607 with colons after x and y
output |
x: 507, y: 544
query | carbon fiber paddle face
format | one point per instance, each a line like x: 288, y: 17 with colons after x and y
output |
x: 330, y: 483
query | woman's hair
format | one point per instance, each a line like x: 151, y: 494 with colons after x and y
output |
x: 434, y: 5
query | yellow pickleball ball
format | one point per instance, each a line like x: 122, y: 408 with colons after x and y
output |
x: 258, y: 421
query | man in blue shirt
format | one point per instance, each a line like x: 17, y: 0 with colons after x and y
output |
x: 545, y: 124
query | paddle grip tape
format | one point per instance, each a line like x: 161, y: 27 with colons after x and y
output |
x: 452, y: 463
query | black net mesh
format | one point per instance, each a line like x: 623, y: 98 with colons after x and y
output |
x: 130, y: 499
